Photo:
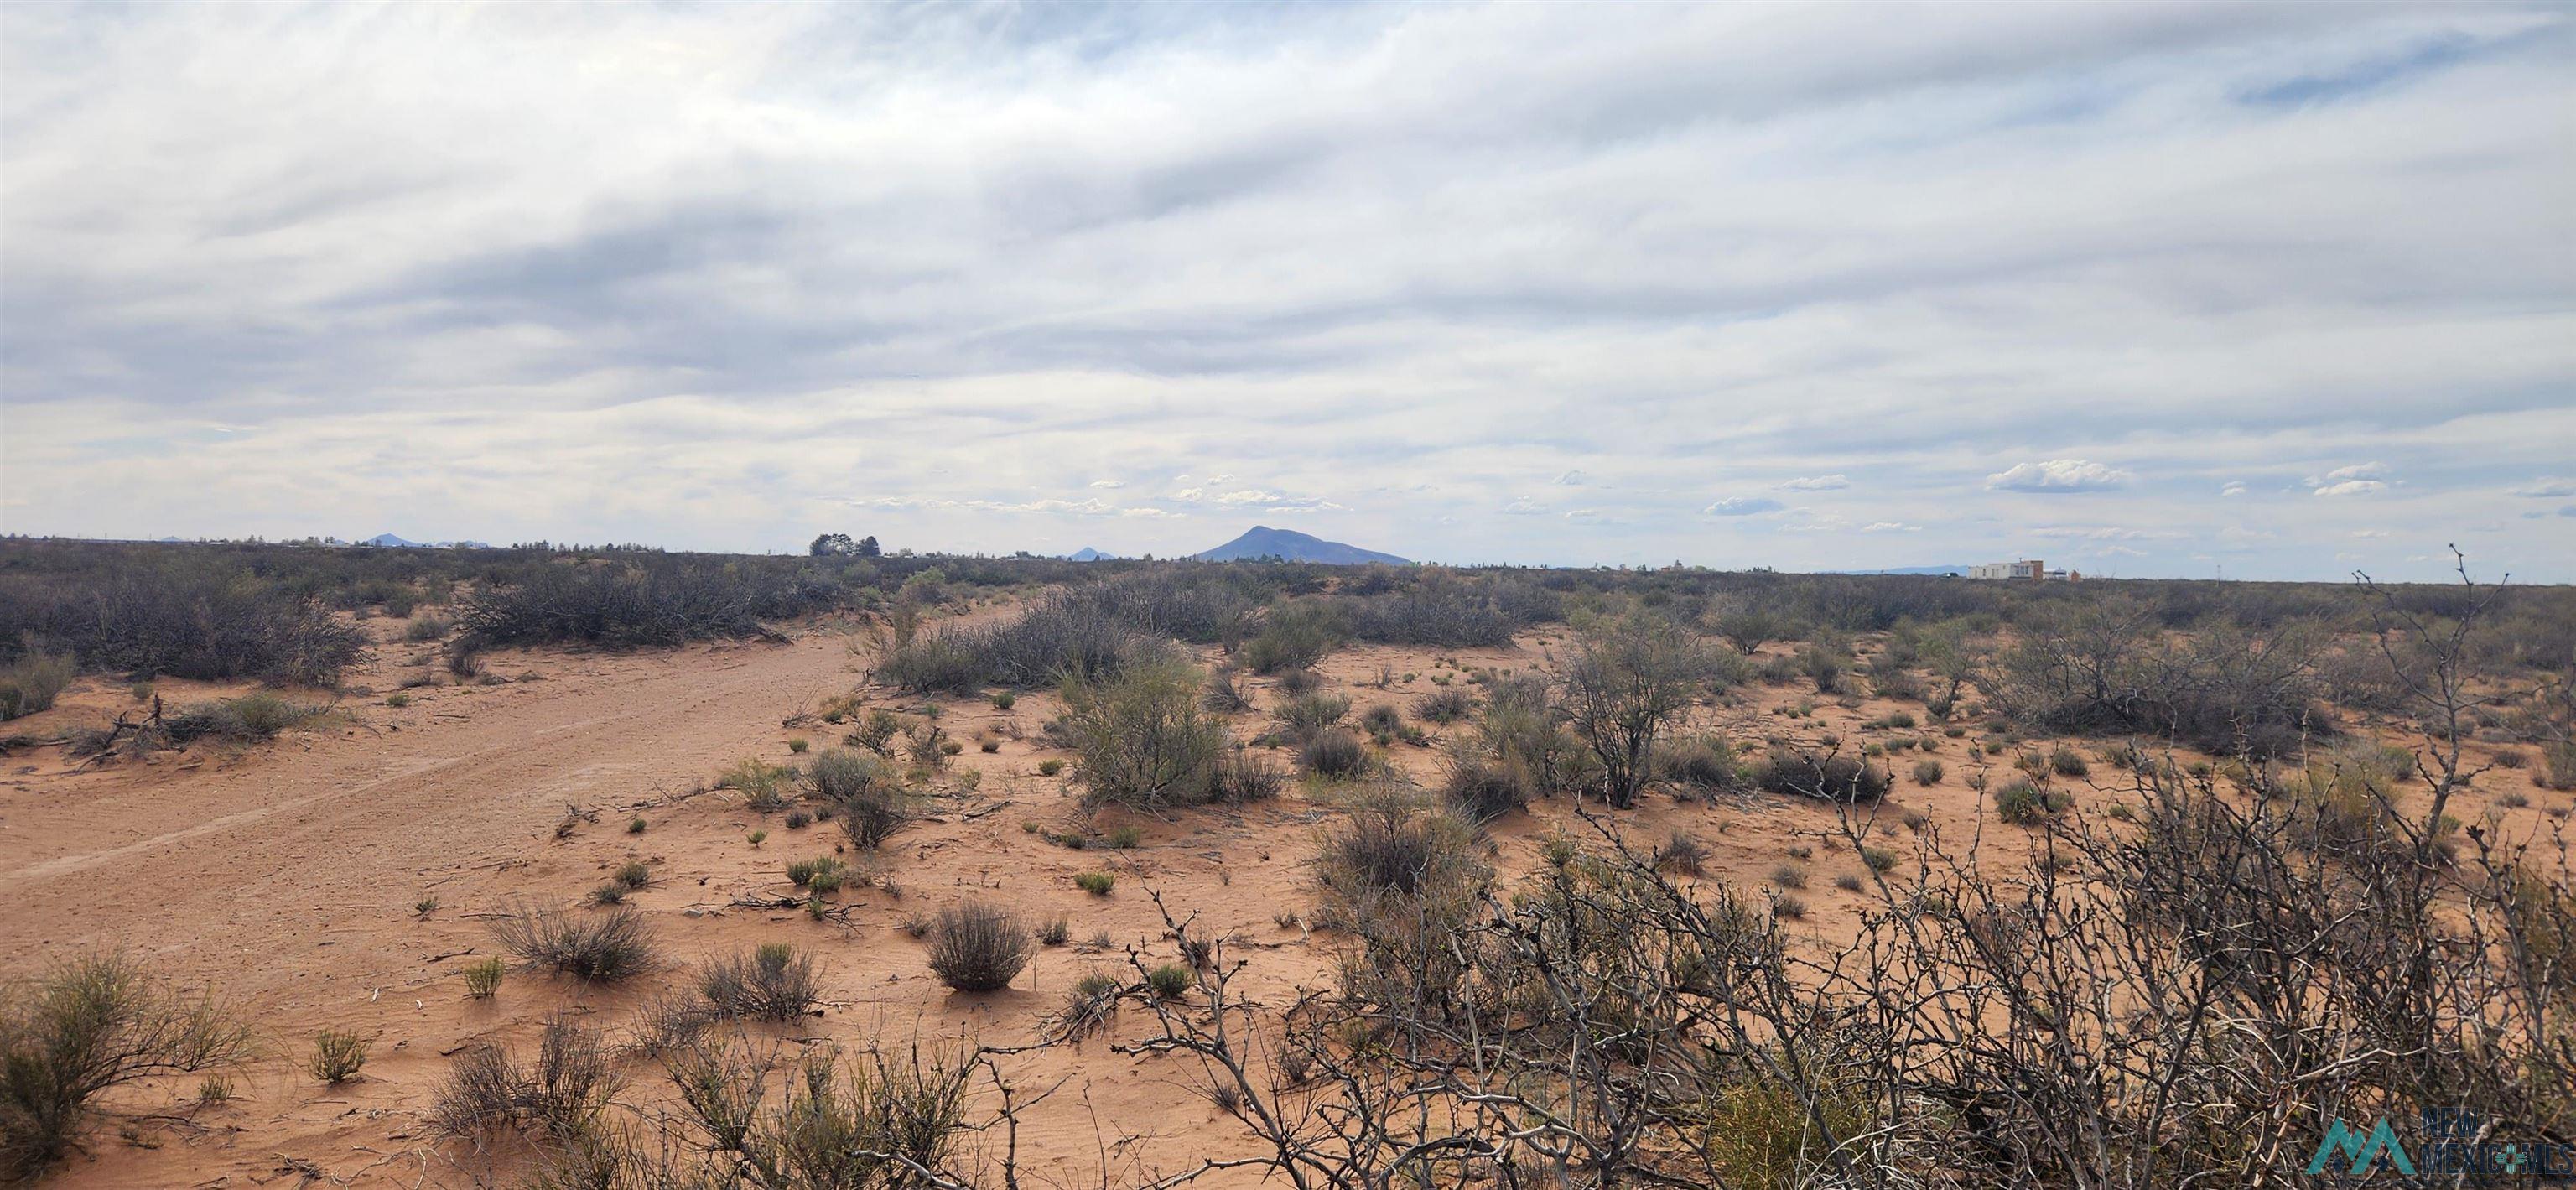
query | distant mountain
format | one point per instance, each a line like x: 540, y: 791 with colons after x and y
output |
x: 1088, y: 554
x: 1293, y: 546
x: 390, y: 541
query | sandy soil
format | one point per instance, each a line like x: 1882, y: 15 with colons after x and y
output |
x: 287, y: 877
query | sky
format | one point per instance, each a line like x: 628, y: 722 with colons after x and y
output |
x: 2263, y: 290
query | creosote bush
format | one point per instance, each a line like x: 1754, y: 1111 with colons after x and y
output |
x: 1142, y: 738
x: 84, y: 1028
x: 31, y: 683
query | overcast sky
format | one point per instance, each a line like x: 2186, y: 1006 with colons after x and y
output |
x: 2283, y: 288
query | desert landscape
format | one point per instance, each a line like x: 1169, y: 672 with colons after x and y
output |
x: 433, y: 868
x: 1097, y: 595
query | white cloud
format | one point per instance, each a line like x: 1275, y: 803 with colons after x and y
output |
x: 700, y: 276
x: 2232, y: 488
x: 1572, y: 479
x: 1743, y: 506
x: 2547, y: 489
x: 1109, y: 483
x: 2058, y: 475
x: 1890, y: 527
x: 2352, y: 487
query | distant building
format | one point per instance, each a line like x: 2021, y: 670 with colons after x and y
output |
x: 2029, y: 568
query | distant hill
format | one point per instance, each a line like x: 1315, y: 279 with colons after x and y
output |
x: 1088, y: 554
x: 390, y: 541
x: 1293, y: 546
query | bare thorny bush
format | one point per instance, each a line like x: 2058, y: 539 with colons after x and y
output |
x: 2187, y: 993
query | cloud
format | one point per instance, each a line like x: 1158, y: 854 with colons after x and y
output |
x: 1088, y: 508
x: 2232, y: 488
x: 1890, y: 527
x: 1524, y: 506
x: 2547, y: 489
x: 1743, y: 506
x: 2100, y: 533
x: 1109, y: 483
x: 2058, y: 475
x: 2359, y: 479
x: 702, y: 276
x: 1572, y: 479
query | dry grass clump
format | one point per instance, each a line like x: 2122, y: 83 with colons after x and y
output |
x: 774, y: 982
x: 561, y: 1094
x: 1446, y: 705
x: 1828, y: 775
x: 865, y: 794
x: 1335, y: 755
x: 1302, y: 716
x: 2025, y: 803
x: 601, y: 947
x: 338, y: 1054
x: 1484, y: 790
x: 1248, y: 777
x: 1393, y: 844
x: 978, y: 948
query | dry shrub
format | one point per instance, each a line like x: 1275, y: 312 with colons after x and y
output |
x: 1446, y: 705
x: 978, y: 948
x: 87, y: 1027
x: 774, y: 982
x: 30, y: 684
x: 1484, y: 790
x: 1142, y: 738
x: 600, y: 947
x: 1830, y: 776
x: 1334, y: 754
x: 865, y: 793
x: 561, y: 1093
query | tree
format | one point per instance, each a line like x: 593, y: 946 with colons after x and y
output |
x: 830, y: 545
x: 1629, y: 678
x: 868, y: 547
